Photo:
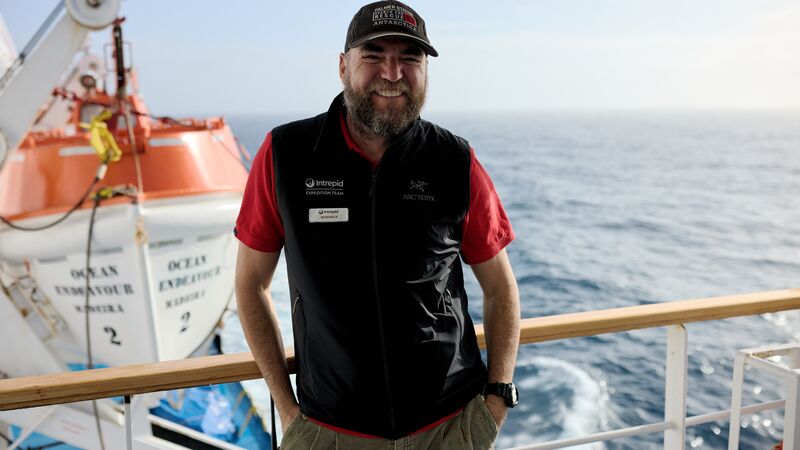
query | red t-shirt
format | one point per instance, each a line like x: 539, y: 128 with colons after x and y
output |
x: 486, y: 229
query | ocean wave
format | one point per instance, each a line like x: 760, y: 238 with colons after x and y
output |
x: 558, y: 400
x: 560, y: 284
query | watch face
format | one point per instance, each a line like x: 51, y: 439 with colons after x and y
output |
x: 507, y: 391
x: 514, y: 396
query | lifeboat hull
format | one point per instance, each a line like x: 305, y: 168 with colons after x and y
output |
x: 160, y: 276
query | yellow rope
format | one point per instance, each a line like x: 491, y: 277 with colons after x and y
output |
x: 101, y: 139
x: 246, y: 422
x: 239, y: 399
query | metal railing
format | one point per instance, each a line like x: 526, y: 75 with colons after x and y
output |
x: 42, y: 390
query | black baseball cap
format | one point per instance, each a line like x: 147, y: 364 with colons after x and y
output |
x: 387, y: 18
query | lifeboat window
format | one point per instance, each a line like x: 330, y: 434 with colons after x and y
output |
x: 90, y: 111
x: 117, y: 122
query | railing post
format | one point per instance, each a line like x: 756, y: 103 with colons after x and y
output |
x: 791, y: 418
x: 675, y: 388
x: 126, y: 400
x: 736, y: 400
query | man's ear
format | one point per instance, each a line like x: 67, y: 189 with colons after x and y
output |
x: 342, y: 66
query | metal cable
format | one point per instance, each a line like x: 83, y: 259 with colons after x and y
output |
x: 90, y: 361
x: 274, y: 436
x: 71, y: 96
x: 77, y: 205
x: 5, y: 438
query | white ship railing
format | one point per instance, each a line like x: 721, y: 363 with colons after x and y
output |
x: 126, y: 381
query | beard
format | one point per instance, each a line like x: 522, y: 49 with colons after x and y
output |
x: 390, y: 122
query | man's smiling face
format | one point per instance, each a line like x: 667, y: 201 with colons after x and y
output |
x: 385, y: 84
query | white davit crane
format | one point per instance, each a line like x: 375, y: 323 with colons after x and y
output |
x: 31, y: 78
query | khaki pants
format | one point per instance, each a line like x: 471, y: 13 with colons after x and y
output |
x: 472, y: 429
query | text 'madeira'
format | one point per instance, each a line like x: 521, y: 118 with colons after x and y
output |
x: 327, y: 215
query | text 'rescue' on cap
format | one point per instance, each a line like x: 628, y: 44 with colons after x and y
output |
x: 387, y: 18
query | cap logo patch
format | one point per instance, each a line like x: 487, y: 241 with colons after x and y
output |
x: 394, y: 15
x: 409, y: 19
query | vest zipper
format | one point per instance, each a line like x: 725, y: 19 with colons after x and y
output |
x: 298, y: 298
x: 373, y: 195
x: 296, y: 301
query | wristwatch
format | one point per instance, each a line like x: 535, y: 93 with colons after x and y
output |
x: 506, y: 391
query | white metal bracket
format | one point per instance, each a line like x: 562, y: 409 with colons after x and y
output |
x: 790, y: 374
x: 31, y: 427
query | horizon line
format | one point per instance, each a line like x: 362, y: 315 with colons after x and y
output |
x: 551, y: 110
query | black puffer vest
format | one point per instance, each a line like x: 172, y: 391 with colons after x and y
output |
x: 383, y: 340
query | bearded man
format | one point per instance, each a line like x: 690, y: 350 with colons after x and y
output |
x: 375, y: 208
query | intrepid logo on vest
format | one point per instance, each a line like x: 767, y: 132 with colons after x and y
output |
x: 324, y: 187
x: 417, y: 192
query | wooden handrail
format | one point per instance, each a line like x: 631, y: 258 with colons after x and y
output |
x: 41, y: 390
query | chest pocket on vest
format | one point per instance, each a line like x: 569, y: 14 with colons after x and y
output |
x: 429, y: 241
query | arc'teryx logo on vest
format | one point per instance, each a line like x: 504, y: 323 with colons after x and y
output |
x: 418, y: 185
x: 315, y: 186
x: 416, y: 191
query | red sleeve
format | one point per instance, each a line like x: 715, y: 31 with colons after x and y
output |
x: 486, y: 229
x: 259, y: 224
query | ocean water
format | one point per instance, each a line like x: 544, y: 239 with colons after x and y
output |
x: 619, y: 209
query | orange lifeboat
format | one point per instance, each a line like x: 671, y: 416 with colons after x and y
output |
x: 162, y: 158
x: 161, y: 255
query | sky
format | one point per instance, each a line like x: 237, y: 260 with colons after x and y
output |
x: 249, y: 57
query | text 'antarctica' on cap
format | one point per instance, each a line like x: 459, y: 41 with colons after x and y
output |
x: 387, y: 18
